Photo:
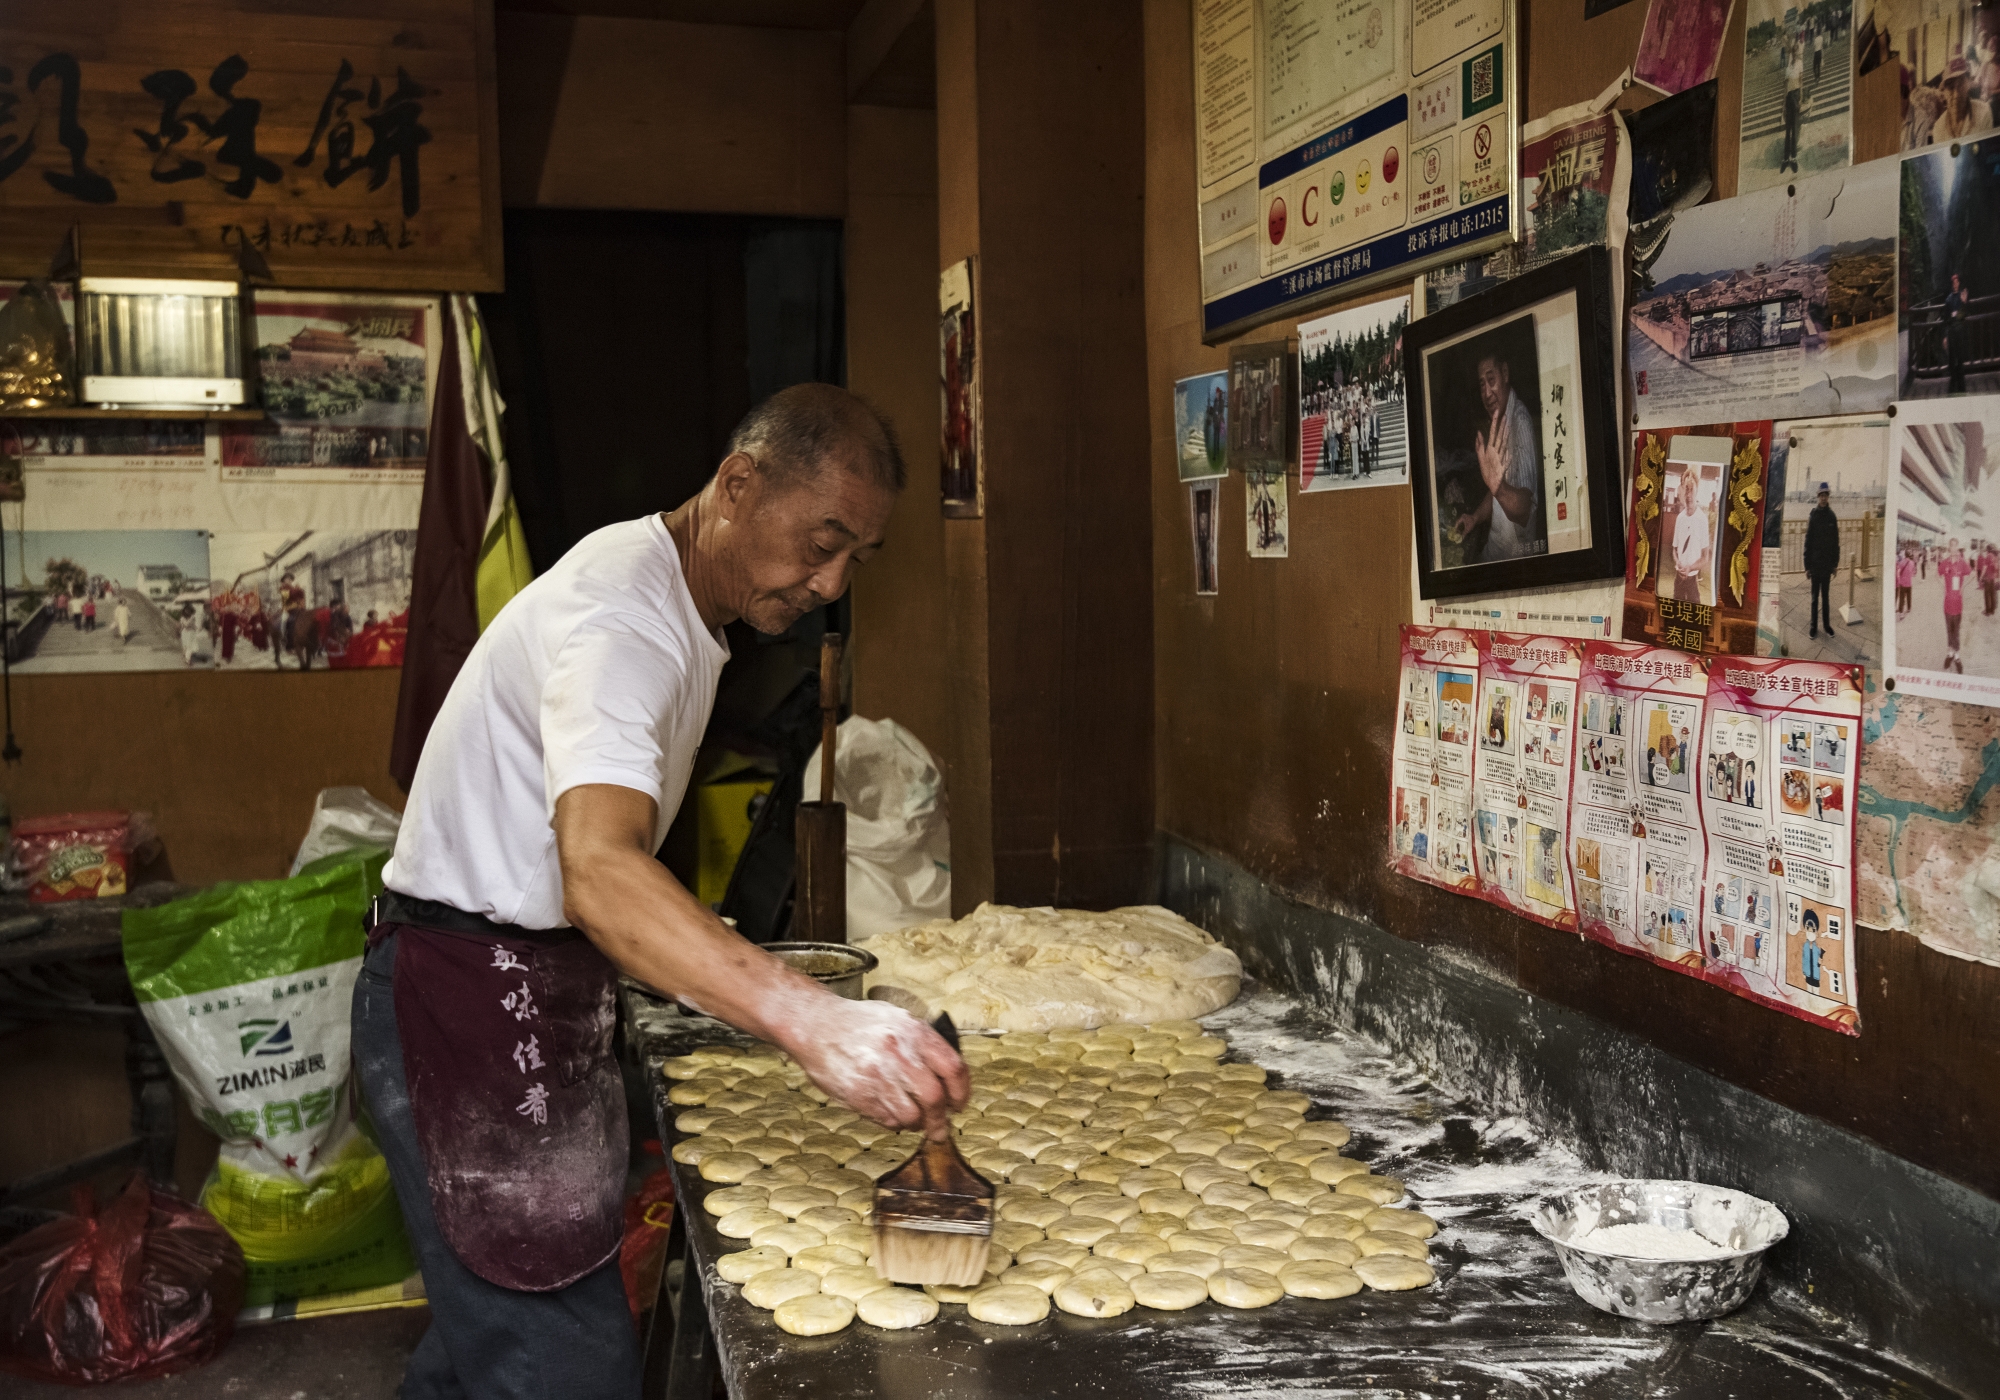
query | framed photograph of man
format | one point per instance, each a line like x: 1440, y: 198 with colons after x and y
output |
x: 1695, y: 557
x: 1514, y: 434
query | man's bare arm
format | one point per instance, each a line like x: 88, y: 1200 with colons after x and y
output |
x: 873, y: 1057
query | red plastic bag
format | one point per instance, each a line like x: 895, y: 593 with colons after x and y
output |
x: 649, y: 1214
x: 149, y: 1286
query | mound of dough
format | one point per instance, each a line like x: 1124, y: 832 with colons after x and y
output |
x: 1244, y: 1288
x: 1318, y: 1278
x: 896, y: 1308
x: 1002, y: 968
x: 776, y: 1286
x: 745, y: 1265
x: 814, y: 1314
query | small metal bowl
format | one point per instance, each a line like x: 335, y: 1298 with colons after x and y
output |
x: 836, y: 966
x: 1662, y: 1290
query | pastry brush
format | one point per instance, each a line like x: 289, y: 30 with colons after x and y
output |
x: 934, y: 1214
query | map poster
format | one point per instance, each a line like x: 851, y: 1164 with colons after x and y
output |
x: 1780, y: 758
x: 1779, y: 303
x: 1430, y: 804
x: 1522, y: 771
x: 1635, y: 815
x: 1942, y: 635
x: 1694, y: 546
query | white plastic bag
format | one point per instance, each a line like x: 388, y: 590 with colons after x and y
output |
x: 898, y: 830
x: 344, y: 819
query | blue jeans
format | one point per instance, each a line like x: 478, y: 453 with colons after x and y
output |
x: 485, y: 1342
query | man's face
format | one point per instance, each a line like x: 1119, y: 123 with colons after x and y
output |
x: 1493, y: 382
x: 796, y: 547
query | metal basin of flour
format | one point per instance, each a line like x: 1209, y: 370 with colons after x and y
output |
x: 835, y: 966
x: 1662, y: 1290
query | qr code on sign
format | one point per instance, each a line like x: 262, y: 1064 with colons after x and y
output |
x: 1482, y: 77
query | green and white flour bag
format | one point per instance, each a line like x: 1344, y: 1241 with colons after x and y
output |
x: 248, y: 988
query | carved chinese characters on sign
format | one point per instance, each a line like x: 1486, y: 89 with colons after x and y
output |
x: 352, y: 160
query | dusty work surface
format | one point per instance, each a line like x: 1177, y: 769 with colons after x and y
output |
x: 1499, y: 1321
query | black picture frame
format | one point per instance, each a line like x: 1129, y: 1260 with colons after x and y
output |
x: 1449, y: 359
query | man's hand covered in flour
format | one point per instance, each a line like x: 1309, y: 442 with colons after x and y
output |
x: 881, y: 1062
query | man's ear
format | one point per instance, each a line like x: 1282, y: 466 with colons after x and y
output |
x: 734, y: 481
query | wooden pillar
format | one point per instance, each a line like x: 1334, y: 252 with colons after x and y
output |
x: 1049, y: 649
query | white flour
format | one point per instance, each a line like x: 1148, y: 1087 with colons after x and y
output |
x: 1649, y: 1242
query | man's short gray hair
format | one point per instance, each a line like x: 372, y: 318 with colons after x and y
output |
x: 797, y: 432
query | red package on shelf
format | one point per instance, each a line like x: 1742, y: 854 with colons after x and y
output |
x: 76, y: 855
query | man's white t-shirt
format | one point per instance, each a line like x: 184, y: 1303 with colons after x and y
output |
x: 600, y: 671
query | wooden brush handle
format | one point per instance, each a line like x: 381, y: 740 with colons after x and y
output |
x: 829, y: 711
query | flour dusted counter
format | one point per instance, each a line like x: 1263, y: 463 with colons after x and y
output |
x: 1498, y: 1317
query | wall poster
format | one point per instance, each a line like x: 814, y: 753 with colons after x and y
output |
x: 1430, y: 808
x: 962, y: 479
x: 1697, y: 533
x: 1779, y: 764
x: 1943, y: 633
x: 1345, y: 144
x: 1635, y: 824
x: 1521, y: 776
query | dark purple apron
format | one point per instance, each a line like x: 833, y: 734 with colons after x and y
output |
x: 519, y: 1106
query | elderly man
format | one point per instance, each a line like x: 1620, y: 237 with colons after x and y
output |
x: 524, y: 880
x: 1822, y: 557
x: 1510, y: 469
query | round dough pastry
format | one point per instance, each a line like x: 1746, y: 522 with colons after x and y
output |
x: 1333, y: 1251
x: 1082, y: 1229
x: 1391, y: 1273
x: 743, y: 1223
x: 728, y: 1166
x: 1280, y: 1212
x: 690, y: 1150
x: 813, y: 1314
x: 1318, y: 1278
x: 1408, y: 1222
x: 1391, y: 1242
x: 1244, y: 1288
x: 795, y: 1200
x: 1332, y: 1227
x: 1206, y: 1241
x: 1284, y: 1098
x: 1095, y: 1294
x: 1009, y: 1305
x: 1333, y: 1169
x: 785, y: 1173
x: 860, y: 1200
x: 1101, y: 1169
x: 1301, y: 1150
x: 1058, y: 1252
x: 1143, y: 1150
x: 1133, y: 1248
x: 1116, y: 1209
x: 1233, y: 1195
x: 774, y: 1286
x: 896, y: 1308
x: 1330, y: 1131
x: 1013, y: 1235
x: 746, y: 1264
x: 827, y: 1219
x: 852, y: 1282
x: 1185, y: 1261
x: 1241, y: 1155
x: 1271, y: 1234
x: 1179, y: 1030
x: 1382, y: 1190
x: 1137, y: 1183
x: 838, y: 1146
x: 1299, y: 1191
x: 1225, y: 1218
x: 790, y: 1237
x: 1067, y: 1156
x: 1151, y: 1222
x: 1340, y: 1203
x: 1037, y: 1177
x: 1124, y: 1269
x: 728, y: 1198
x: 875, y: 1165
x: 1199, y: 1178
x: 1076, y: 1190
x: 953, y: 1293
x: 1040, y: 1274
x: 1271, y: 1170
x: 768, y: 1151
x: 822, y: 1258
x: 1176, y: 1203
x: 1248, y: 1256
x: 1169, y: 1292
x: 1040, y: 1212
x: 1263, y: 1139
x: 860, y: 1238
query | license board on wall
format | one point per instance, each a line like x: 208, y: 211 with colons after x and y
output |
x: 348, y: 147
x: 1345, y: 144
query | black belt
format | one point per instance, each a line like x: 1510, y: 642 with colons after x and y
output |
x: 392, y: 907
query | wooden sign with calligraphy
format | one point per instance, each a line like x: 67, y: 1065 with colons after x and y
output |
x: 348, y: 147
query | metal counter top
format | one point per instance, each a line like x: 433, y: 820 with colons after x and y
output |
x: 1500, y: 1320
